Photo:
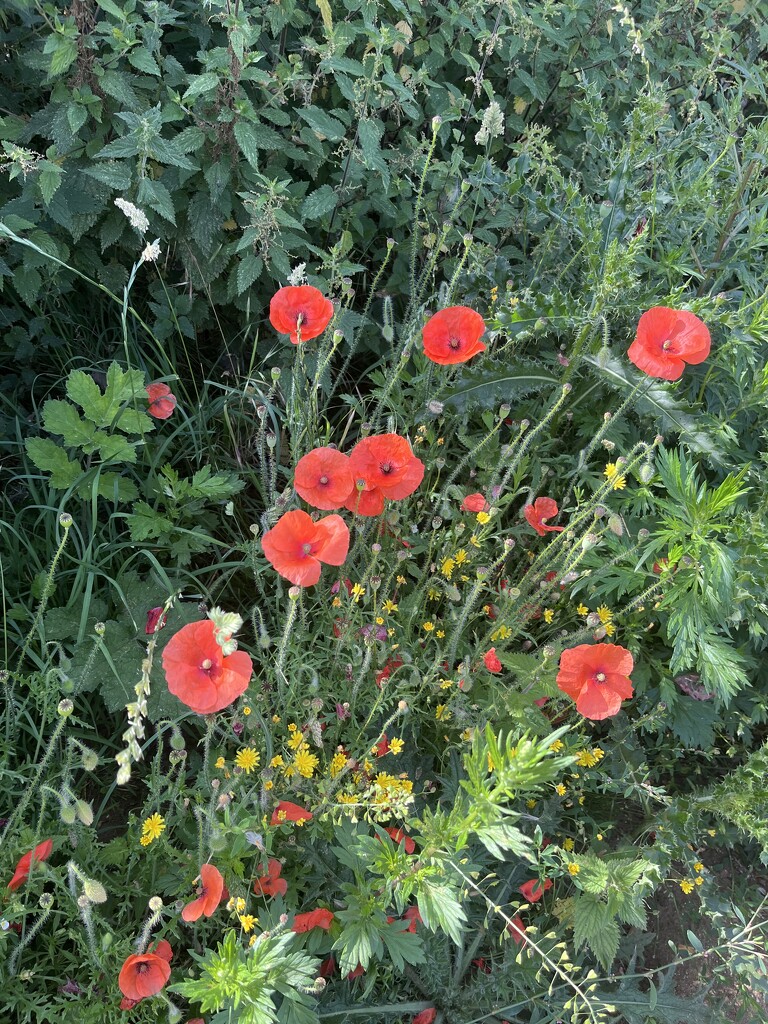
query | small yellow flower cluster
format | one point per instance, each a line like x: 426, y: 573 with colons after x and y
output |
x: 686, y: 886
x: 396, y: 745
x: 389, y: 606
x: 442, y: 714
x: 428, y: 626
x: 589, y: 758
x: 305, y: 762
x: 568, y: 844
x: 614, y: 477
x: 152, y: 829
x: 573, y: 869
x: 447, y: 567
x: 483, y: 518
x: 338, y: 763
x: 296, y: 738
x: 549, y: 614
x: 502, y: 633
x: 606, y: 618
x: 247, y: 922
x: 560, y: 789
x: 357, y: 592
x: 236, y: 903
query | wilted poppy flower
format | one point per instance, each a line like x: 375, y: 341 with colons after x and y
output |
x: 26, y: 863
x: 533, y: 891
x: 358, y: 971
x: 596, y: 676
x: 323, y: 478
x: 211, y: 893
x: 162, y: 401
x: 296, y: 546
x: 200, y: 674
x: 271, y: 884
x: 154, y: 623
x: 453, y: 335
x: 541, y: 509
x: 301, y: 311
x: 491, y: 662
x: 383, y: 466
x: 382, y: 747
x: 475, y: 503
x: 666, y: 340
x: 320, y: 918
x: 398, y: 836
x: 516, y: 929
x: 286, y: 811
x: 389, y: 667
x: 426, y: 1016
x: 328, y: 967
x: 144, y: 974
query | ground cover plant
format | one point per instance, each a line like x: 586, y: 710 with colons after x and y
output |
x: 384, y: 618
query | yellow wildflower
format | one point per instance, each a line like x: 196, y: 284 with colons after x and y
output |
x: 152, y: 829
x: 220, y: 762
x: 247, y: 922
x: 502, y: 633
x: 556, y: 746
x: 379, y: 620
x: 474, y: 541
x: 338, y: 763
x: 549, y: 614
x: 560, y: 789
x: 433, y: 595
x: 686, y: 886
x: 604, y: 614
x: 276, y: 719
x: 609, y: 628
x: 305, y: 762
x: 246, y: 710
x: 357, y: 592
x: 396, y: 745
x: 269, y: 784
x: 440, y: 634
x: 447, y: 567
x: 296, y: 739
x: 568, y: 844
x: 614, y: 477
x: 336, y: 602
x: 530, y: 804
x: 582, y: 610
x: 277, y: 761
x: 573, y: 869
x: 460, y: 557
x: 247, y: 759
x: 441, y: 713
x: 698, y: 866
x: 427, y: 626
x: 483, y: 518
x: 389, y: 606
x: 699, y: 880
x: 401, y: 580
x: 589, y: 758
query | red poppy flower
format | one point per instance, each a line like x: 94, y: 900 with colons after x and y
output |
x: 389, y: 668
x: 162, y: 401
x: 382, y: 747
x: 666, y: 340
x: 453, y: 335
x: 200, y: 674
x: 301, y: 311
x: 475, y: 503
x: 323, y: 478
x: 327, y: 967
x: 211, y: 894
x: 413, y: 917
x: 145, y: 974
x: 26, y: 864
x: 356, y: 973
x: 541, y: 509
x: 596, y: 676
x: 271, y: 884
x: 398, y: 836
x: 382, y: 467
x: 425, y: 1017
x: 492, y: 663
x: 533, y: 891
x: 296, y: 546
x: 516, y: 929
x: 320, y: 918
x: 286, y: 811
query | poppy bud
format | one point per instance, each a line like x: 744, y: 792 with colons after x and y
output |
x: 84, y: 812
x: 643, y: 534
x: 95, y: 891
x: 65, y: 708
x: 275, y: 373
x: 67, y: 814
x: 647, y: 473
x: 591, y: 540
x: 99, y: 629
x: 65, y: 520
x: 615, y: 526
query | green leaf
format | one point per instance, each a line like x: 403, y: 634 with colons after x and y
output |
x: 117, y: 449
x: 201, y: 84
x: 143, y: 60
x: 147, y: 524
x: 322, y: 124
x: 49, y: 180
x: 114, y: 487
x: 119, y: 148
x: 248, y: 270
x: 64, y: 55
x: 595, y: 926
x: 115, y: 175
x: 486, y: 388
x: 133, y: 421
x: 155, y: 195
x: 111, y: 8
x: 167, y: 152
x: 403, y: 946
x: 84, y: 390
x: 62, y: 418
x: 50, y: 458
x: 439, y: 908
x: 319, y: 202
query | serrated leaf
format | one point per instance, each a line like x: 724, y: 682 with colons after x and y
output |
x: 439, y: 908
x: 116, y: 448
x: 50, y: 458
x: 118, y: 149
x: 143, y: 60
x: 133, y: 421
x: 322, y: 124
x: 147, y: 524
x: 319, y: 202
x: 155, y: 195
x: 84, y: 390
x: 114, y: 487
x: 77, y: 115
x: 49, y: 180
x: 201, y: 84
x: 115, y: 175
x: 370, y: 132
x: 486, y: 388
x: 248, y: 270
x: 62, y: 418
x: 64, y: 55
x: 111, y: 8
x: 403, y: 946
x: 595, y: 926
x: 253, y: 137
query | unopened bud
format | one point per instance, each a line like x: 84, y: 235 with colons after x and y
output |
x: 643, y: 534
x: 294, y: 593
x: 647, y: 473
x: 390, y: 243
x: 65, y: 708
x: 177, y: 740
x: 616, y: 526
x: 95, y: 891
x: 155, y: 904
x: 99, y: 629
x: 84, y: 812
x: 275, y: 373
x: 376, y: 548
x: 65, y: 520
x: 509, y: 543
x: 591, y: 540
x: 504, y: 411
x: 436, y: 122
x: 89, y: 759
x: 68, y: 814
